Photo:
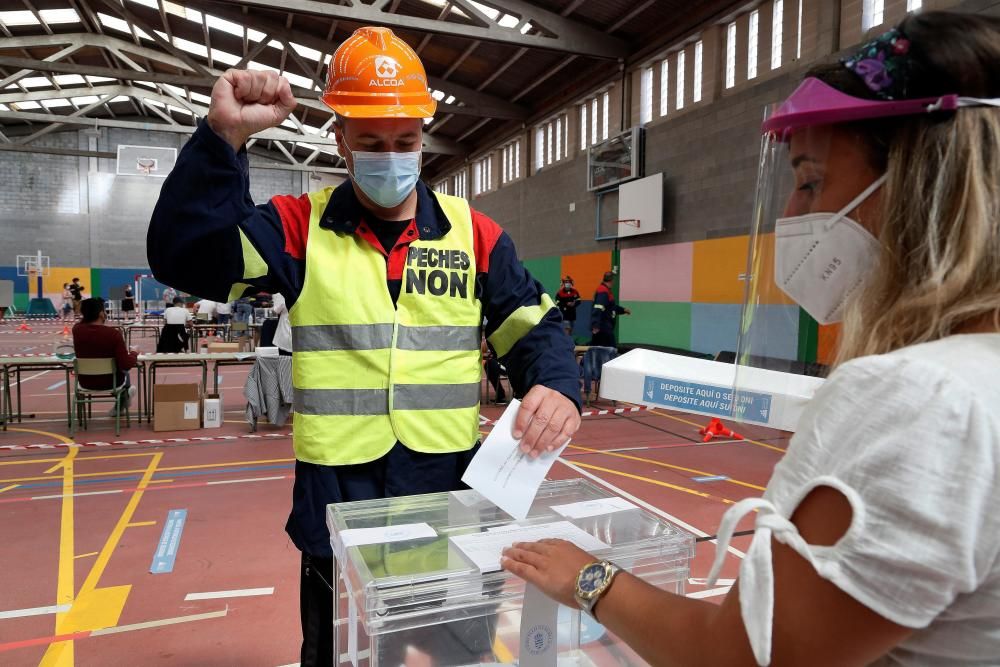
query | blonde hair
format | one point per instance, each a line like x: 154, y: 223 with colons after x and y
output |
x: 939, y: 268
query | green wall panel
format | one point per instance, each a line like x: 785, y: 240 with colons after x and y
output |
x: 666, y: 324
x: 546, y: 271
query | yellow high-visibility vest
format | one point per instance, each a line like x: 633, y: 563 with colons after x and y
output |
x: 367, y: 374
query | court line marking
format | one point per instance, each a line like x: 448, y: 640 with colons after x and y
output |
x: 164, y: 469
x: 642, y: 503
x: 658, y: 482
x: 640, y: 459
x: 240, y: 481
x: 86, y: 555
x: 76, y: 495
x: 160, y: 622
x: 56, y: 385
x: 9, y: 488
x: 34, y: 611
x: 240, y: 593
x: 65, y: 576
x: 140, y: 524
x: 69, y: 637
x: 710, y: 593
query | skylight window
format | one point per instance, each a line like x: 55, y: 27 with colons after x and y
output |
x: 98, y: 79
x: 146, y: 3
x: 84, y: 100
x: 20, y: 17
x: 437, y: 94
x: 35, y: 82
x: 26, y: 105
x: 114, y: 23
x: 224, y: 25
x: 489, y: 11
x: 198, y: 97
x: 69, y: 79
x: 120, y: 98
x: 225, y: 57
x: 183, y: 12
x: 526, y: 28
x: 24, y: 17
x: 306, y: 52
x: 154, y: 103
x: 509, y: 21
x: 253, y: 64
x: 450, y: 99
x: 60, y: 16
x: 300, y: 81
x: 55, y: 103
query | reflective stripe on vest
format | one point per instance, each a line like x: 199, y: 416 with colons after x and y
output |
x: 366, y: 373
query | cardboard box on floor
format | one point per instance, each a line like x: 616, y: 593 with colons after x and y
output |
x: 176, y: 407
x: 223, y: 347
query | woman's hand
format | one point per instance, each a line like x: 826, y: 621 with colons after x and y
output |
x: 551, y: 565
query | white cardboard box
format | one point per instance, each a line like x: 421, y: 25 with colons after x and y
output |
x: 213, y: 411
x: 659, y: 379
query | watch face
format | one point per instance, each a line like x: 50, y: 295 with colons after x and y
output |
x: 592, y: 578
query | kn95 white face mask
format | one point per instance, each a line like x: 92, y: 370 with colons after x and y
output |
x: 820, y: 259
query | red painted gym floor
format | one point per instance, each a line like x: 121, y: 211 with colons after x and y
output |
x: 81, y: 524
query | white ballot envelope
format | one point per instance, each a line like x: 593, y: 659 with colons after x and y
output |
x: 504, y: 474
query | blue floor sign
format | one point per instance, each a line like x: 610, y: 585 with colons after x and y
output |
x: 170, y: 542
x: 707, y: 399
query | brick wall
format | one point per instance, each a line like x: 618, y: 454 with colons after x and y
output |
x: 80, y: 213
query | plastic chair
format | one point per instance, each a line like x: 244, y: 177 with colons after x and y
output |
x: 84, y: 399
x: 238, y: 330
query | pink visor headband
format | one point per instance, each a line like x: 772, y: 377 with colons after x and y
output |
x: 816, y: 103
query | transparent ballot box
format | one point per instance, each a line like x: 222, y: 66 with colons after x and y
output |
x: 410, y: 590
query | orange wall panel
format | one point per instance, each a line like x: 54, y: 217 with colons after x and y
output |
x: 587, y: 270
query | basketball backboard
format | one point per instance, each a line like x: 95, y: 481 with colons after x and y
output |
x: 615, y: 160
x: 640, y: 206
x: 145, y: 160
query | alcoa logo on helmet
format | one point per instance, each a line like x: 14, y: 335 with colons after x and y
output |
x: 386, y: 69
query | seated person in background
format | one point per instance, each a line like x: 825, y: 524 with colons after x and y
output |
x: 93, y: 340
x: 174, y: 337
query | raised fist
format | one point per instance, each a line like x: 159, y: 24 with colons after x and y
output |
x: 245, y: 102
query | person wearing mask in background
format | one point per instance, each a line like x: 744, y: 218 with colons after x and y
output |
x: 351, y: 441
x: 169, y: 294
x: 67, y: 302
x: 77, y: 290
x: 877, y: 538
x: 128, y: 302
x: 93, y: 340
x: 568, y: 298
x: 174, y: 337
x: 604, y: 313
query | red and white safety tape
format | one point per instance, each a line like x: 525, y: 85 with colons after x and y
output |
x: 483, y: 420
x: 152, y: 441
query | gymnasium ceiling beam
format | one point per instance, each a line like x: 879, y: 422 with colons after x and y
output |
x: 559, y: 33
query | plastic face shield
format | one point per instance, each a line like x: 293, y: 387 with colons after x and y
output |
x: 809, y: 178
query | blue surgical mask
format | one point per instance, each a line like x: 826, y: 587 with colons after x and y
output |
x: 386, y: 178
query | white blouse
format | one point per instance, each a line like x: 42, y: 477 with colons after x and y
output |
x: 912, y: 440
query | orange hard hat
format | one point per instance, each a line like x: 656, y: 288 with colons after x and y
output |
x: 375, y: 74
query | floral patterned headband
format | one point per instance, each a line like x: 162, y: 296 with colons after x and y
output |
x: 884, y: 65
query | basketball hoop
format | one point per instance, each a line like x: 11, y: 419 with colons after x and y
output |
x: 631, y: 222
x: 145, y: 165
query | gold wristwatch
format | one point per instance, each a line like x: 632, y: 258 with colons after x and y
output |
x: 593, y: 582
